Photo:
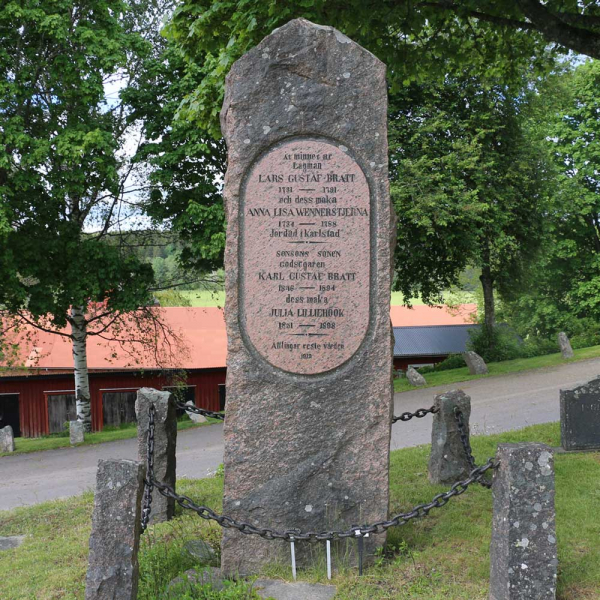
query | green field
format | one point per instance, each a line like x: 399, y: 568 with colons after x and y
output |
x: 499, y: 368
x: 206, y: 298
x: 442, y: 557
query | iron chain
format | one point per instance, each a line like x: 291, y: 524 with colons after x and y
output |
x: 199, y: 411
x: 419, y: 511
x: 464, y: 438
x: 419, y: 413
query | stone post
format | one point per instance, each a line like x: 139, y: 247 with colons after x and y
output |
x: 447, y: 461
x: 523, y: 549
x: 165, y: 441
x: 76, y: 432
x: 7, y: 439
x: 113, y: 568
x: 565, y: 345
x: 308, y: 268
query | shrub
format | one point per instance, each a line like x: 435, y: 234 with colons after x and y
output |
x: 535, y: 346
x: 586, y: 339
x: 501, y: 344
x: 454, y: 361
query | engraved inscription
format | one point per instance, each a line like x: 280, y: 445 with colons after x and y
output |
x: 306, y: 217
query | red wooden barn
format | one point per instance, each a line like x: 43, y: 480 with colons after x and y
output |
x: 40, y: 398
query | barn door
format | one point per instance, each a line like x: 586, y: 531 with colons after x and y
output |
x: 9, y: 413
x: 118, y: 407
x: 61, y: 410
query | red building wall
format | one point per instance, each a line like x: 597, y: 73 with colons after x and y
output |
x: 33, y: 392
x: 402, y: 363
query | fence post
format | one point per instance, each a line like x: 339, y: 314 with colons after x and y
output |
x: 113, y: 569
x: 165, y: 442
x: 523, y: 549
x: 448, y: 462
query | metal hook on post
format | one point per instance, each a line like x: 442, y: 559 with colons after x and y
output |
x: 293, y: 550
x: 361, y: 548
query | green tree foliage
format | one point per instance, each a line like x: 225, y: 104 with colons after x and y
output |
x: 469, y: 186
x: 65, y: 177
x: 186, y: 165
x: 564, y: 291
x: 415, y: 39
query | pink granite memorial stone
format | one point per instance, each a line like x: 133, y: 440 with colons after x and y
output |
x: 308, y: 273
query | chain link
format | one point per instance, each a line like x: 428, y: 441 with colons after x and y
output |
x: 199, y: 411
x: 464, y: 438
x: 419, y: 413
x: 419, y: 511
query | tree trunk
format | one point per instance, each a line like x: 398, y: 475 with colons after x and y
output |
x: 82, y: 380
x: 489, y: 319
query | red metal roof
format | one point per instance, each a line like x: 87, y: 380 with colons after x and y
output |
x: 203, y: 330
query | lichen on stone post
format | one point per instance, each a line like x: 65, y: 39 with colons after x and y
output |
x: 523, y: 554
x: 448, y: 461
x: 165, y: 443
x: 113, y: 568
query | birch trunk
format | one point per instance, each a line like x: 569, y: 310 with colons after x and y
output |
x: 82, y: 381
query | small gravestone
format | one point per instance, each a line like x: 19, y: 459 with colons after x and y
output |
x: 282, y: 590
x: 7, y: 439
x: 113, y: 568
x: 195, y: 417
x: 448, y: 462
x: 580, y: 416
x: 475, y: 363
x: 523, y: 554
x: 165, y: 441
x: 76, y: 432
x: 565, y: 345
x: 308, y: 274
x: 415, y: 378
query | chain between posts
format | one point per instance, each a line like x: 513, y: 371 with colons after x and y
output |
x: 464, y: 438
x: 199, y: 411
x: 419, y: 413
x: 419, y: 511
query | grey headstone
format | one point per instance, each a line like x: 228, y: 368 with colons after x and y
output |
x: 523, y: 550
x: 113, y: 568
x: 448, y: 462
x: 309, y: 379
x: 201, y: 551
x: 10, y: 542
x: 415, y: 378
x: 475, y: 363
x: 565, y: 345
x: 76, y: 432
x: 580, y: 416
x: 282, y: 590
x: 165, y: 442
x: 191, y: 577
x: 195, y: 417
x: 7, y: 439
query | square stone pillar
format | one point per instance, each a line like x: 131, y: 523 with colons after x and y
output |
x: 523, y: 550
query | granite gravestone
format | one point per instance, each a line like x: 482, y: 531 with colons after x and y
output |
x: 566, y: 350
x: 475, y: 363
x: 308, y: 265
x: 580, y: 416
x: 7, y: 439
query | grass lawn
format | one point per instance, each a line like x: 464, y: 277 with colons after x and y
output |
x: 52, y: 442
x: 499, y: 368
x: 442, y: 557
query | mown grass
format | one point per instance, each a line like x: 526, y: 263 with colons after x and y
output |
x: 442, y: 557
x: 499, y: 368
x: 52, y: 442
